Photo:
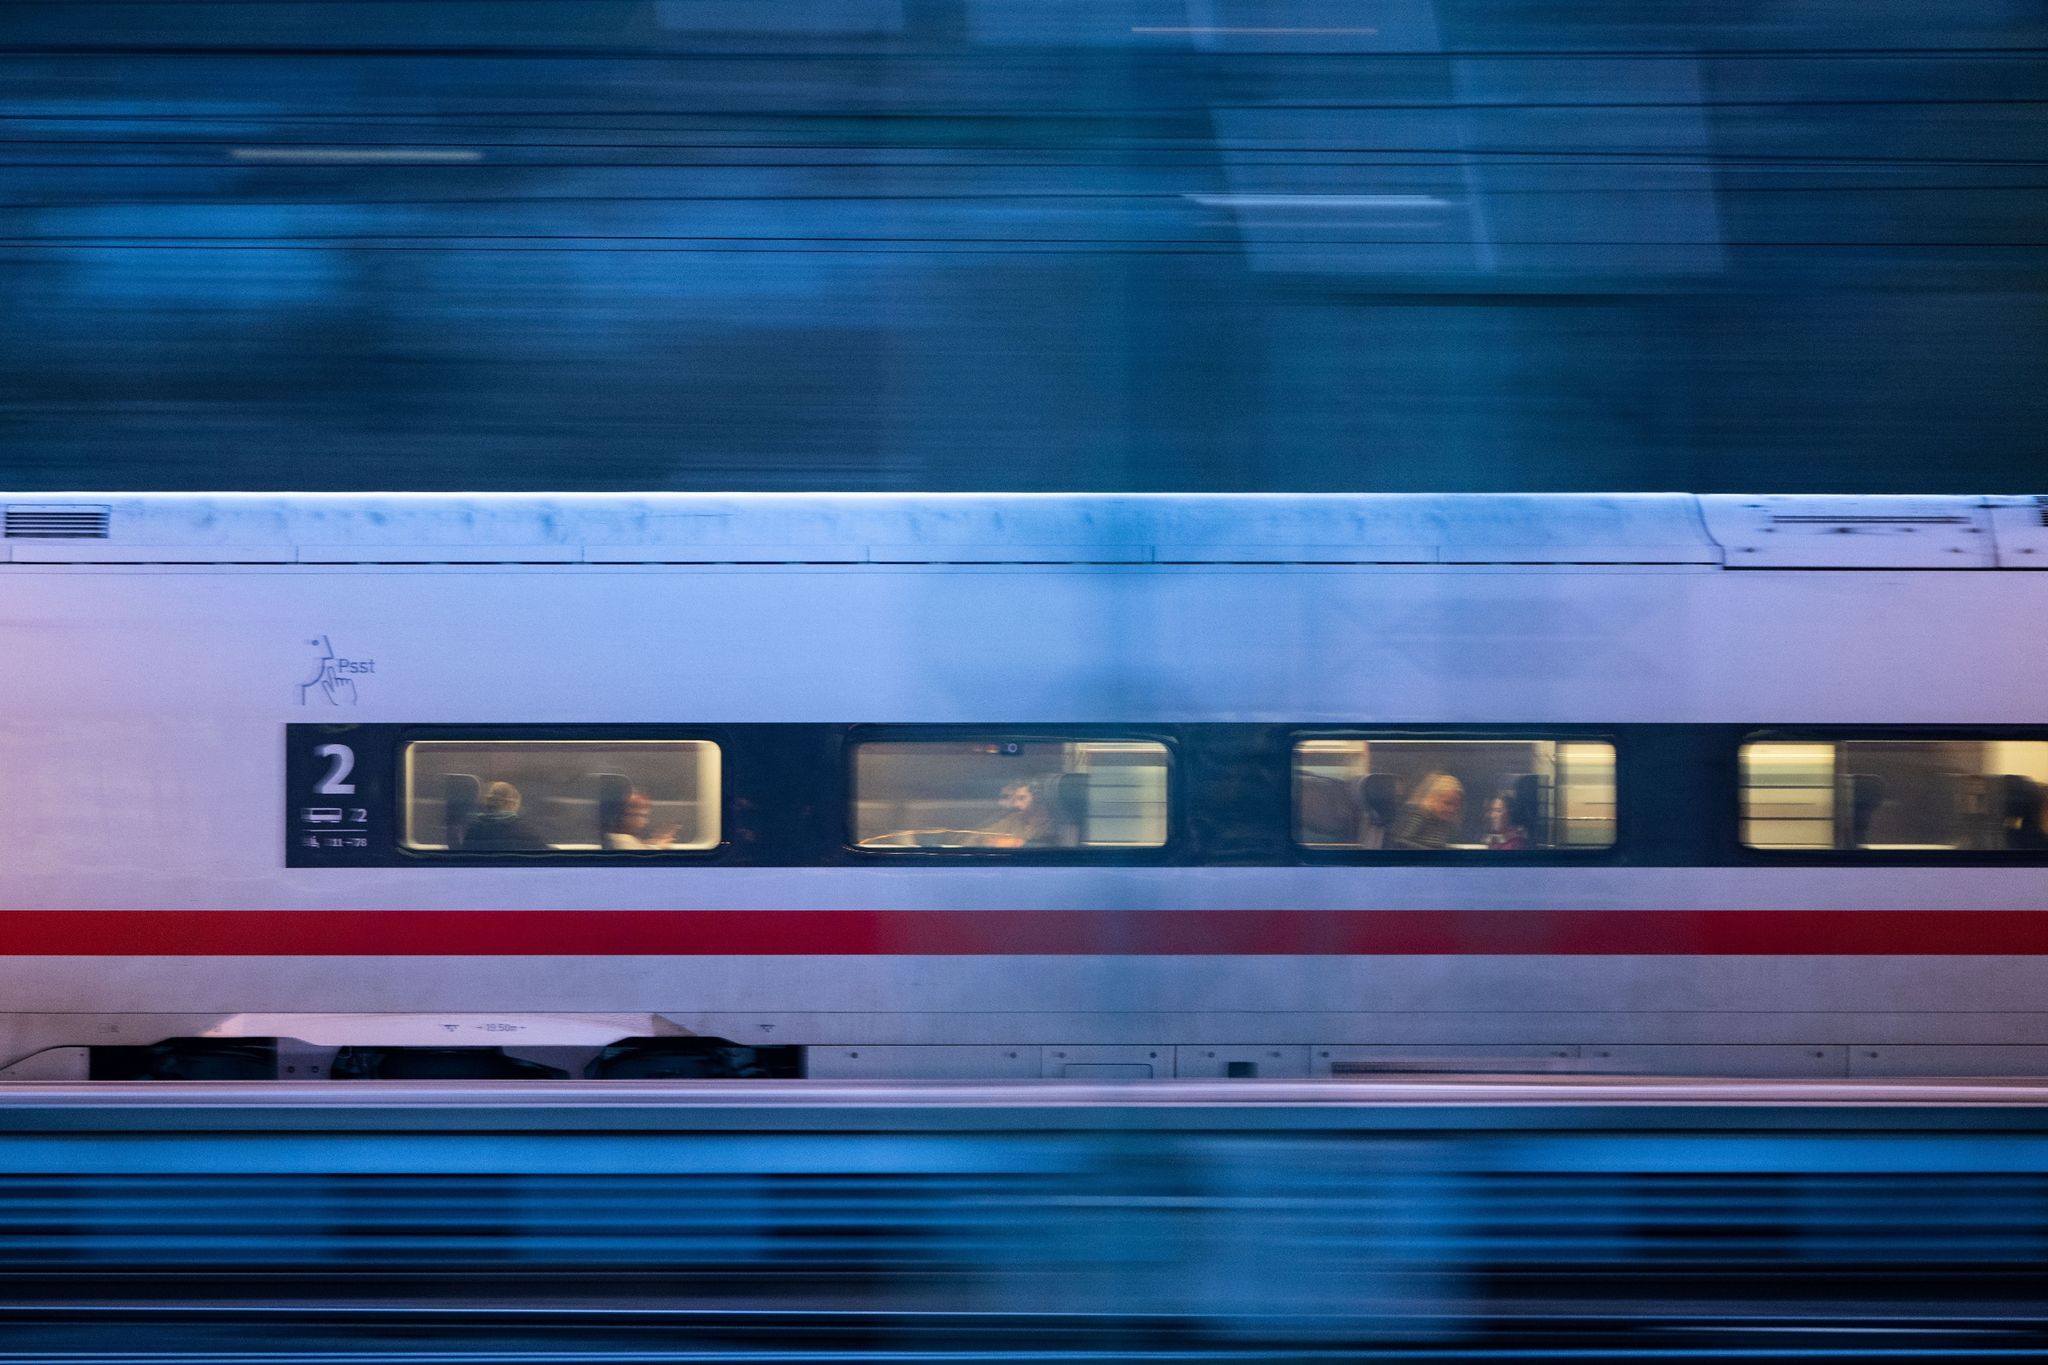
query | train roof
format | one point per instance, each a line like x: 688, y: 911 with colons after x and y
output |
x: 1734, y: 531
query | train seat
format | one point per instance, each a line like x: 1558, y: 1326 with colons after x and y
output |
x: 461, y: 794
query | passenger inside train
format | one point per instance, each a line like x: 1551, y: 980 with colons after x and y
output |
x: 1048, y: 794
x: 498, y: 826
x: 1410, y: 794
x: 2026, y: 815
x: 1402, y: 794
x: 561, y: 796
x: 1507, y: 826
x: 1895, y: 795
x: 628, y: 824
x: 1434, y: 817
x: 1020, y: 815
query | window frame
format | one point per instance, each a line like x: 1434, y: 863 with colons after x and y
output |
x: 401, y: 793
x: 1563, y: 855
x: 1172, y: 850
x: 1230, y: 795
x: 1753, y: 854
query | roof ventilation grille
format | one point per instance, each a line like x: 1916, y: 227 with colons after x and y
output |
x: 2042, y: 503
x: 57, y: 523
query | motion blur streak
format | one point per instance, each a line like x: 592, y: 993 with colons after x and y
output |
x: 1167, y: 244
x: 1395, y: 1220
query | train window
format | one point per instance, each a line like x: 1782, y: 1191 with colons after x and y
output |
x: 561, y: 796
x: 1448, y: 794
x: 1028, y: 794
x: 1901, y: 795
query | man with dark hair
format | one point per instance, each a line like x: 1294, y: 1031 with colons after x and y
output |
x: 1021, y: 818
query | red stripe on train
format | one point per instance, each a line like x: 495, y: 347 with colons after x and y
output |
x: 696, y: 933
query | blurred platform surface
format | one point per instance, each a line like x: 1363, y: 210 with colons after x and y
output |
x: 1412, y: 1218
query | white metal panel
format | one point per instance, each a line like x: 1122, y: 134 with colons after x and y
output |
x: 51, y: 1064
x: 816, y: 552
x: 1264, y: 1062
x: 1489, y: 1055
x: 1433, y: 999
x: 1104, y: 1061
x: 109, y: 552
x: 1776, y: 531
x: 1800, y: 531
x: 951, y: 552
x: 1554, y: 552
x: 1435, y: 1011
x: 2020, y: 526
x: 1036, y: 645
x: 1794, y: 1059
x: 485, y: 552
x: 1897, y: 1059
x: 1354, y: 553
x: 936, y: 1062
x: 1189, y: 522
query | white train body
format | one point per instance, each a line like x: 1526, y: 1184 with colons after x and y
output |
x: 154, y: 650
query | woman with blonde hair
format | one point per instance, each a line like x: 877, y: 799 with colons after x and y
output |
x: 1434, y: 815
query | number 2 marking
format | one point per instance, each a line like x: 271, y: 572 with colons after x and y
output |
x: 342, y: 761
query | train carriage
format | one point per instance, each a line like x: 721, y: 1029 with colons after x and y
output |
x: 1021, y: 786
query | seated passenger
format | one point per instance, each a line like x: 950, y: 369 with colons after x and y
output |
x: 629, y: 828
x: 1020, y: 818
x: 499, y: 827
x: 2026, y: 815
x: 1433, y: 817
x: 1379, y: 801
x: 1503, y: 833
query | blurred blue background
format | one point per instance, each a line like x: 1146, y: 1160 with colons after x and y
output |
x: 1026, y: 244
